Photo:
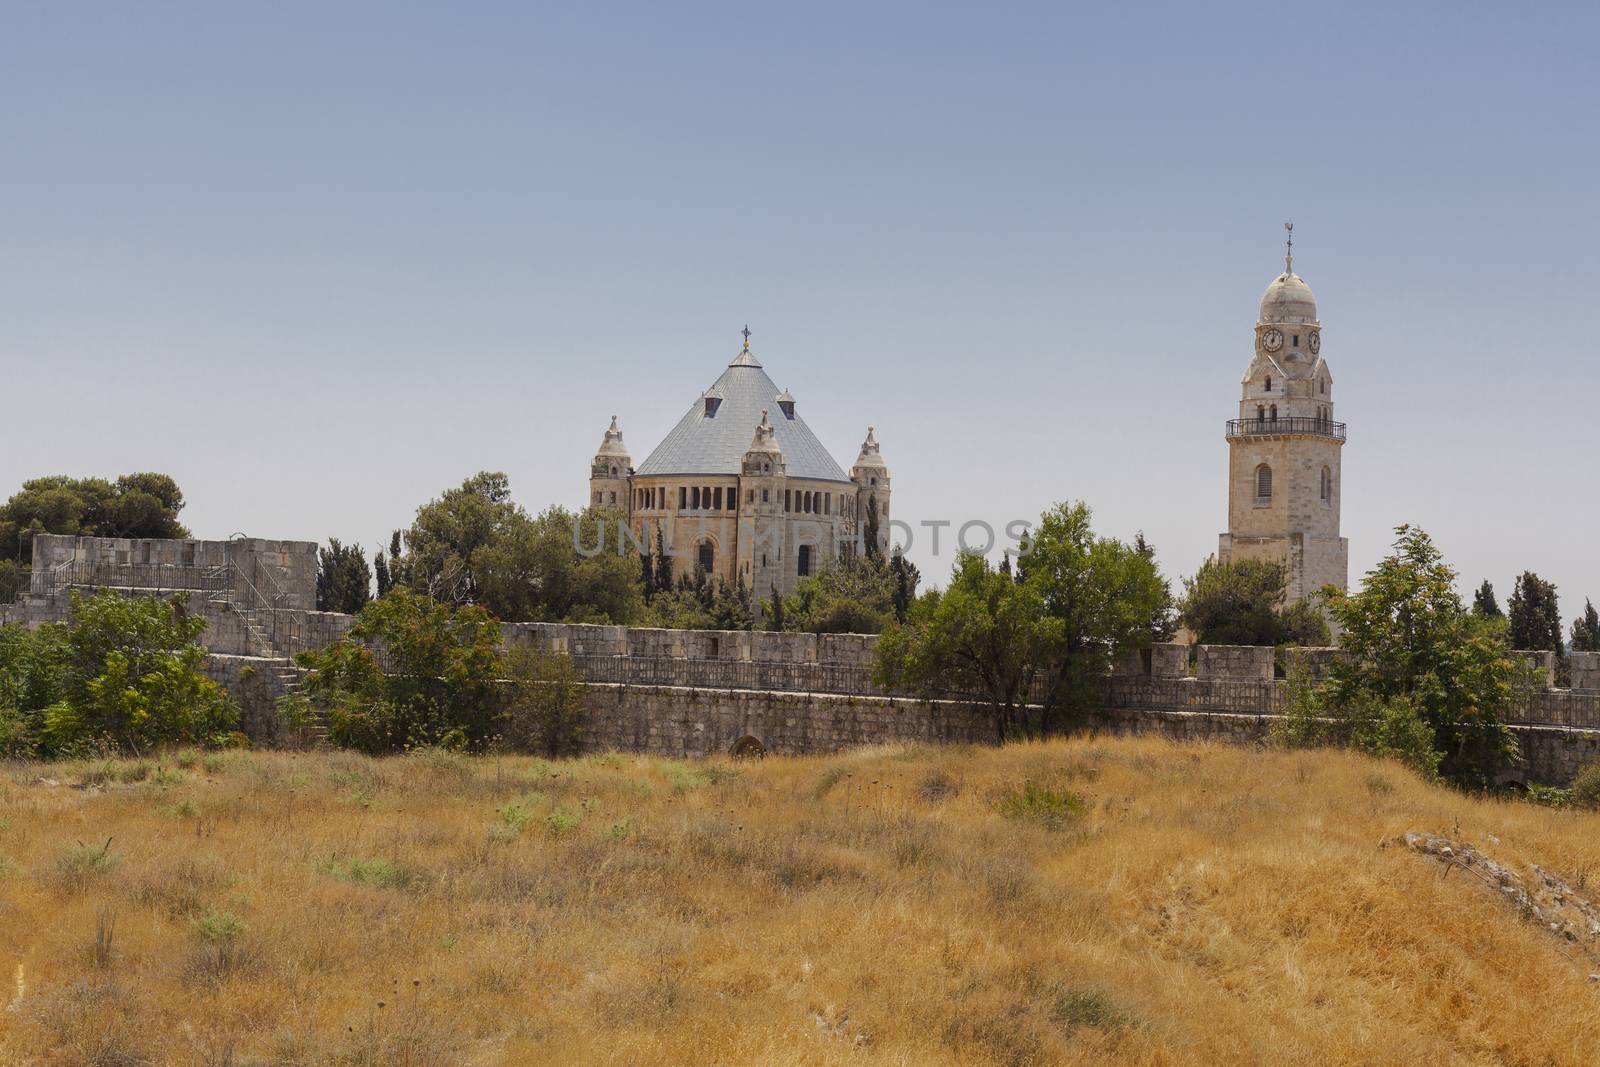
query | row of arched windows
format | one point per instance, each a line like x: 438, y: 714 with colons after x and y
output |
x: 719, y: 498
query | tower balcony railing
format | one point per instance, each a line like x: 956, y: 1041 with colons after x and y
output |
x: 1298, y: 425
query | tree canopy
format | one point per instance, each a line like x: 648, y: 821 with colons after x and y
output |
x: 474, y: 545
x: 1586, y: 629
x: 344, y: 581
x: 1411, y: 640
x: 120, y: 674
x: 433, y: 683
x: 134, y: 505
x: 1241, y: 602
x: 1047, y: 633
x: 1534, y: 615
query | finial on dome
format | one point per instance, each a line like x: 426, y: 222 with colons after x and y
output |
x: 1288, y: 257
x: 613, y: 422
x: 746, y: 332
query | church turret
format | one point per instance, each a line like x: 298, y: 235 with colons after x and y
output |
x: 871, y: 476
x: 762, y: 525
x: 1284, y: 448
x: 610, y: 471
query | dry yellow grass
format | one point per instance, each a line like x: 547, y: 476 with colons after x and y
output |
x: 1208, y: 905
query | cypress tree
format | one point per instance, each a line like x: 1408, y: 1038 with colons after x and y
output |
x: 1586, y: 630
x: 1485, y: 604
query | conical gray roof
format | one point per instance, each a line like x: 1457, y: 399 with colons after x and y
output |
x: 716, y: 444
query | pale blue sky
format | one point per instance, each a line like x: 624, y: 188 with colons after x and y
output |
x: 321, y: 261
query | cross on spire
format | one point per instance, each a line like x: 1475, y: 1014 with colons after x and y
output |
x: 746, y: 332
x: 1288, y: 257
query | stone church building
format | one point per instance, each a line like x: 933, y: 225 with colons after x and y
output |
x: 1284, y: 448
x: 743, y: 488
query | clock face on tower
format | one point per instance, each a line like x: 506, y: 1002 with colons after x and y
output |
x: 1316, y: 341
x: 1272, y: 340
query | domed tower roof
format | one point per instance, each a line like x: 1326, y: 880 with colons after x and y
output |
x: 1288, y: 298
x: 711, y: 437
x: 870, y: 455
x: 612, y: 445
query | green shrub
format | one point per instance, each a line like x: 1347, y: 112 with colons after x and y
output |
x: 121, y: 674
x: 378, y: 873
x: 545, y: 710
x: 436, y: 686
x: 1040, y: 803
x: 1549, y: 796
x: 82, y: 863
x: 1586, y: 788
x: 562, y: 820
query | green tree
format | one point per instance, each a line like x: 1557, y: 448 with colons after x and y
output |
x: 474, y: 545
x: 1241, y: 602
x: 1163, y: 623
x: 1102, y: 593
x: 906, y: 577
x: 380, y: 570
x: 433, y: 683
x: 1534, y: 615
x: 545, y: 709
x: 135, y: 505
x: 870, y: 532
x: 120, y: 674
x: 847, y: 596
x: 1409, y: 638
x: 1484, y: 603
x: 987, y: 636
x: 663, y: 564
x: 344, y: 581
x: 1045, y: 635
x: 1586, y: 629
x: 1389, y: 729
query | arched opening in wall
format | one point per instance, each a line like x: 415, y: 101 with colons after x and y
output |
x: 613, y: 472
x: 1273, y: 413
x: 1263, y: 484
x: 1269, y: 383
x: 706, y: 556
x: 803, y: 566
x: 748, y: 747
x: 1261, y: 412
x: 1327, y: 485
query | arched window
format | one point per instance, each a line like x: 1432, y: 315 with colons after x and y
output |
x: 1261, y: 412
x: 1274, y: 413
x: 1322, y: 385
x: 1269, y: 383
x: 1263, y: 483
x: 706, y: 556
x: 613, y: 472
x: 803, y: 565
x: 694, y: 496
x: 1327, y: 485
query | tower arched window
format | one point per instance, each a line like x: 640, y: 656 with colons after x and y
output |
x: 1327, y: 485
x: 1263, y: 484
x: 613, y: 472
x: 1269, y: 383
x: 1273, y: 413
x: 803, y: 562
x: 706, y: 556
x: 1261, y: 412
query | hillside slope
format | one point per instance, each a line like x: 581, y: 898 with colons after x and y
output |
x: 1141, y: 902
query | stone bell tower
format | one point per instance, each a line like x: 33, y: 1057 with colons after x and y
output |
x: 1284, y: 448
x: 871, y: 476
x: 763, y: 524
x: 610, y: 473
